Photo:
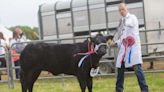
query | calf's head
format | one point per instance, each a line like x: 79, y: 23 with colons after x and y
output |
x: 100, y: 47
x: 100, y: 43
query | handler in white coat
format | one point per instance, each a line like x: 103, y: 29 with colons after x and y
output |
x: 130, y: 49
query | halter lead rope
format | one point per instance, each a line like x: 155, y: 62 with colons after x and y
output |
x: 87, y: 54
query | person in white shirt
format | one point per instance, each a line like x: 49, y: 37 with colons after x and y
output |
x: 129, y: 46
x: 17, y: 46
x: 3, y: 46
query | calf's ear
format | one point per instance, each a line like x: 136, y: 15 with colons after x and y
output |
x: 109, y: 38
x: 90, y: 39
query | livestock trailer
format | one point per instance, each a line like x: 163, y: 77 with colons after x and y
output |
x: 81, y: 18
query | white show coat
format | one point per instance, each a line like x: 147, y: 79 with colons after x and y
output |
x: 132, y: 55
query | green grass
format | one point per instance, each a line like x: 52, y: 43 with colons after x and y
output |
x: 101, y: 84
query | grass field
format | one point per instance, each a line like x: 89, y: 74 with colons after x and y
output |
x: 101, y: 84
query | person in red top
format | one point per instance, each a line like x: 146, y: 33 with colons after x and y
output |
x: 17, y: 47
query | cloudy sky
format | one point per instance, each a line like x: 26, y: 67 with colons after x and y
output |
x: 20, y: 12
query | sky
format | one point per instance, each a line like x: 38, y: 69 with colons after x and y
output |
x: 20, y: 12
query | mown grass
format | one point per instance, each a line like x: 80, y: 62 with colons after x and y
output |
x: 101, y: 84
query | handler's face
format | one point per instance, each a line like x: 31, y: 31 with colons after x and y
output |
x: 123, y: 9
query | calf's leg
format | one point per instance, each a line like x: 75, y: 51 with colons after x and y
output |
x: 28, y: 78
x: 32, y: 78
x: 83, y: 83
x: 23, y: 80
x: 89, y: 84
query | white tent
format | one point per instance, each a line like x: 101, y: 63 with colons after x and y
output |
x: 7, y: 33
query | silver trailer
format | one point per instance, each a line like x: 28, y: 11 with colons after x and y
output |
x: 81, y: 18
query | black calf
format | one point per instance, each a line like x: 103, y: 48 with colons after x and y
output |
x: 61, y: 58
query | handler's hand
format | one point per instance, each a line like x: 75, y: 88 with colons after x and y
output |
x: 113, y: 45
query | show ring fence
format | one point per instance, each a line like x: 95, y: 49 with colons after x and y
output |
x: 10, y: 65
